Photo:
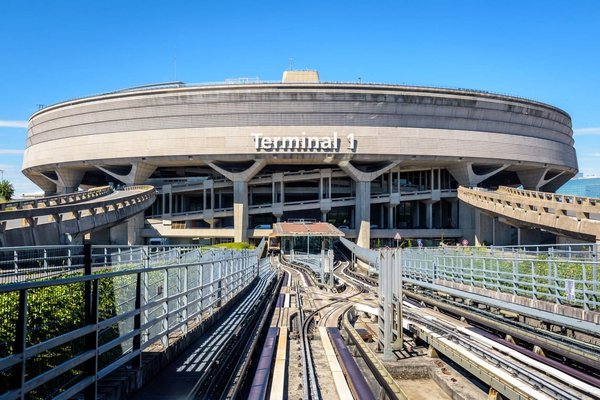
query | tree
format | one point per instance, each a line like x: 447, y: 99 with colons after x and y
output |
x: 6, y: 190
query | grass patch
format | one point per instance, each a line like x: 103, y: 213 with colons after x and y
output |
x: 234, y: 246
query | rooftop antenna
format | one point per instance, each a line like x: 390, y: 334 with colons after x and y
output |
x: 291, y: 65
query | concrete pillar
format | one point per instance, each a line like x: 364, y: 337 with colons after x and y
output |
x: 325, y: 191
x: 135, y: 225
x: 429, y: 214
x: 240, y: 211
x: 484, y: 228
x: 391, y: 211
x: 454, y: 213
x: 240, y: 196
x: 277, y: 192
x: 119, y: 233
x: 69, y: 179
x: 362, y: 213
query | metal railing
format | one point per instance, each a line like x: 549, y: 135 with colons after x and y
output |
x: 560, y: 274
x: 69, y: 198
x: 58, y: 337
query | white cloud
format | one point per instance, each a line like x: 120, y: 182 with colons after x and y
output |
x: 587, y: 131
x: 13, y: 124
x: 11, y: 151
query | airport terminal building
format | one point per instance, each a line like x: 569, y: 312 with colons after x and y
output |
x: 230, y: 159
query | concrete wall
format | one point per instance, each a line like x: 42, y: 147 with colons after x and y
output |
x: 209, y: 122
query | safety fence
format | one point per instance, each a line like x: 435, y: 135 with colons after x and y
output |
x: 59, y: 336
x: 559, y: 274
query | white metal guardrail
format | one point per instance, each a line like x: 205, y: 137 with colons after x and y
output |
x: 69, y: 332
x: 559, y: 274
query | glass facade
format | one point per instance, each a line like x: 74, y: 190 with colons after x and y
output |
x: 588, y: 187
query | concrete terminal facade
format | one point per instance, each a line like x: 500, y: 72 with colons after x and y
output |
x: 230, y: 159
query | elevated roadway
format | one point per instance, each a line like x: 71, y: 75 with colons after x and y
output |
x: 59, y: 219
x: 568, y: 215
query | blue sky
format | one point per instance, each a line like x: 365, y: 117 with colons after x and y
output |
x: 51, y: 51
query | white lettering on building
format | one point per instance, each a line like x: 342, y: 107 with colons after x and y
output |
x: 301, y: 143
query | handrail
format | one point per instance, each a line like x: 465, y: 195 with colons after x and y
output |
x: 580, y: 215
x: 147, y: 191
x: 45, y: 201
x: 208, y: 284
x: 565, y: 199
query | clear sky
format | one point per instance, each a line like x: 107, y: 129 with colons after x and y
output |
x: 52, y: 51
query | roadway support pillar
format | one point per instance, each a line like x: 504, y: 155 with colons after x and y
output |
x: 135, y: 225
x: 362, y: 213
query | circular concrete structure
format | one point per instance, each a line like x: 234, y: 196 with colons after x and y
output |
x: 237, y: 131
x: 167, y: 125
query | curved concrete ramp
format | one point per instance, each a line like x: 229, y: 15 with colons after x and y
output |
x: 58, y: 219
x: 563, y: 214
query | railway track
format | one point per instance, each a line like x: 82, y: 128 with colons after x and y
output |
x: 541, y: 381
x: 520, y: 373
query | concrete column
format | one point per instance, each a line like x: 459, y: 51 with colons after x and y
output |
x: 277, y: 195
x: 240, y: 211
x: 167, y: 204
x: 454, y: 213
x: 429, y: 215
x: 362, y: 213
x: 416, y: 219
x: 69, y: 179
x: 325, y: 188
x: 135, y: 225
x: 391, y: 211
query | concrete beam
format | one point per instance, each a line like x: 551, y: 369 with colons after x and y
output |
x: 362, y: 210
x: 140, y: 172
x: 240, y: 196
x: 465, y: 176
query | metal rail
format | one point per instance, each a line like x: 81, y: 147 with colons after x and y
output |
x: 148, y: 304
x: 569, y: 278
x: 536, y: 381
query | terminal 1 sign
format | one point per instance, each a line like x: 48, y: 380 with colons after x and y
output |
x: 302, y: 143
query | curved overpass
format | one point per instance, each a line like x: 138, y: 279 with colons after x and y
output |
x: 563, y: 214
x: 51, y: 220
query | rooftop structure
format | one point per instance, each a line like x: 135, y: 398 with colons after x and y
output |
x: 321, y: 229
